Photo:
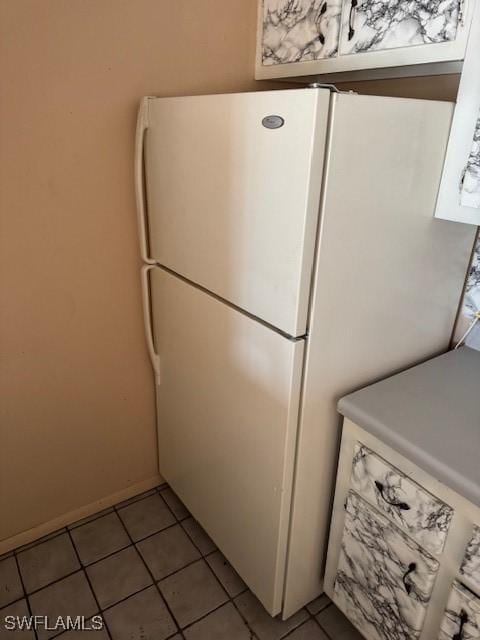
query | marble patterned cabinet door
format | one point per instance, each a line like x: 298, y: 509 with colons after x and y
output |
x: 462, y: 615
x: 470, y: 569
x: 417, y: 512
x: 384, y: 579
x: 372, y: 25
x: 300, y: 30
x: 470, y: 192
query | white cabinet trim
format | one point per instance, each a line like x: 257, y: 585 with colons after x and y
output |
x: 467, y: 112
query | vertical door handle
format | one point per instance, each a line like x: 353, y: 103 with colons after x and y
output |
x: 142, y: 126
x: 147, y: 318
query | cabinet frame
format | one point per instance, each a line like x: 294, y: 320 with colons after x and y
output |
x: 423, y: 59
x: 465, y: 516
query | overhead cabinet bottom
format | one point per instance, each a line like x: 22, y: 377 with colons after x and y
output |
x: 227, y: 417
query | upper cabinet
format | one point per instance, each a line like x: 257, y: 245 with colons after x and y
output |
x: 321, y: 37
x: 373, y: 25
x: 299, y: 30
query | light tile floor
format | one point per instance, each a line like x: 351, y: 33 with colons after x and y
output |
x: 152, y: 573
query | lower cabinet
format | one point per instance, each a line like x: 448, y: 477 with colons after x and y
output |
x: 384, y: 579
x: 462, y: 615
x: 403, y: 558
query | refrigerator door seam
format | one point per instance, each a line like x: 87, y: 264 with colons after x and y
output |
x: 266, y: 324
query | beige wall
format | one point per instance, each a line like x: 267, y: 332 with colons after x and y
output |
x: 77, y: 402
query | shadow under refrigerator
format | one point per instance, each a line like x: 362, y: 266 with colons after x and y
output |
x: 291, y: 256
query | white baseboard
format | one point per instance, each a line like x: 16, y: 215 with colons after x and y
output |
x: 30, y: 535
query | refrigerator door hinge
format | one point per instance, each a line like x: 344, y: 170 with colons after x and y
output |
x: 331, y: 87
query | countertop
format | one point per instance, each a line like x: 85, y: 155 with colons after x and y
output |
x: 431, y: 415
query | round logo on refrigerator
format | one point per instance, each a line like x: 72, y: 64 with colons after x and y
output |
x: 273, y: 122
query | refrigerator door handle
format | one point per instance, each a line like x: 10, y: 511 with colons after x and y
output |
x: 142, y: 126
x: 147, y: 318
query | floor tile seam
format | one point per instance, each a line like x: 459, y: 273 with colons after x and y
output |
x: 155, y: 584
x: 88, y: 581
x: 36, y: 543
x: 94, y: 517
x: 313, y: 618
x: 27, y: 601
x: 117, y: 508
x: 320, y: 624
x: 204, y: 555
x: 154, y: 533
x: 189, y: 515
x: 247, y: 623
x: 203, y: 617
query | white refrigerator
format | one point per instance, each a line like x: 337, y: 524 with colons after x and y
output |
x: 291, y: 255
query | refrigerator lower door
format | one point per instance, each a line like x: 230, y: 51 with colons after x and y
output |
x: 232, y: 202
x: 228, y: 399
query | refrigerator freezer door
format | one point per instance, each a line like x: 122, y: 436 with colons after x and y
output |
x: 227, y: 418
x: 232, y: 202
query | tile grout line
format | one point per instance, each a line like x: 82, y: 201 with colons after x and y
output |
x: 40, y: 541
x: 314, y: 616
x: 230, y: 598
x: 27, y: 600
x: 90, y: 519
x: 105, y: 557
x: 203, y: 556
x: 95, y: 516
x: 110, y: 555
x: 175, y: 621
x: 89, y: 582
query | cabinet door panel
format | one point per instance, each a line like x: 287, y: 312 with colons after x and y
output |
x: 470, y: 193
x: 373, y: 25
x: 412, y: 508
x: 462, y: 615
x: 470, y: 569
x: 384, y: 580
x: 300, y: 30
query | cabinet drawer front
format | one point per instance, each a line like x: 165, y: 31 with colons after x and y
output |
x: 384, y: 579
x: 461, y: 620
x: 373, y: 25
x: 470, y: 569
x: 300, y: 31
x: 416, y: 511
